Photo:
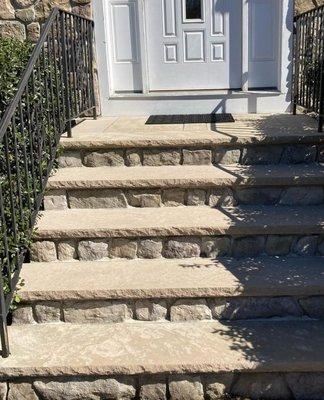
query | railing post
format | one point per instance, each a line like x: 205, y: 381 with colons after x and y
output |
x: 66, y: 77
x: 3, y: 322
x: 92, y: 71
x: 295, y: 66
x: 321, y: 102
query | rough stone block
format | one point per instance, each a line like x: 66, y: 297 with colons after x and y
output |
x: 221, y: 197
x: 306, y: 385
x: 261, y: 155
x: 320, y: 247
x: 96, y: 312
x: 140, y: 199
x: 67, y: 251
x: 153, y: 388
x: 159, y: 157
x: 297, y: 154
x: 181, y: 248
x: 114, y: 158
x: 12, y: 29
x: 215, y: 247
x: 21, y: 391
x: 4, y: 390
x: 7, y: 11
x: 48, y: 312
x: 268, y: 386
x: 197, y: 157
x: 306, y: 245
x: 89, y: 250
x: 133, y: 158
x: 44, y: 251
x: 55, y: 200
x: 23, y: 315
x: 97, y: 198
x: 82, y: 389
x: 227, y: 156
x: 254, y: 307
x: 173, y: 197
x: 149, y: 248
x: 190, y: 310
x: 26, y: 14
x: 151, y: 310
x: 218, y: 386
x: 70, y: 159
x: 313, y: 306
x: 196, y: 197
x: 278, y: 245
x: 123, y: 248
x: 266, y: 196
x: 185, y: 387
x: 302, y: 195
x: 248, y: 246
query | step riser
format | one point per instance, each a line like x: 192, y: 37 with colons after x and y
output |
x: 87, y: 249
x: 281, y: 385
x: 211, y: 196
x: 245, y: 155
x: 172, y: 309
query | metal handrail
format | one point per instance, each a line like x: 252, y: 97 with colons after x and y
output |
x: 56, y: 87
x: 308, y: 66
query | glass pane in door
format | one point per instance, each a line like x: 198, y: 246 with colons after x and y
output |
x: 193, y: 9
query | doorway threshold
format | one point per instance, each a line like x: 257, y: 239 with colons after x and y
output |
x: 194, y: 94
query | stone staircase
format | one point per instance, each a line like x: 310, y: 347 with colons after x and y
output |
x: 176, y: 262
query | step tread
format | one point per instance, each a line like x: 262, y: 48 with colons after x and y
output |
x: 161, y: 278
x: 150, y: 347
x: 185, y: 176
x: 132, y: 132
x: 179, y: 221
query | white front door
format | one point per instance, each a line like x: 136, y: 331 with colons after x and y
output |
x: 194, y: 44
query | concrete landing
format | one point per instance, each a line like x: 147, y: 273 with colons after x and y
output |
x: 247, y: 129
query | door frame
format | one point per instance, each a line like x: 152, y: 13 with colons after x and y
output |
x: 100, y: 13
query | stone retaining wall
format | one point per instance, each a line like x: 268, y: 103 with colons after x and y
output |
x: 211, y: 196
x: 248, y: 155
x: 174, y: 310
x: 235, y: 386
x: 177, y: 247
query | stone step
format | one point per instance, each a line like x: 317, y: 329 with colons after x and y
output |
x: 253, y: 140
x: 136, y: 360
x: 186, y: 289
x: 178, y: 232
x: 105, y: 187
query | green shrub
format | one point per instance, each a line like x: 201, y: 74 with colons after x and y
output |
x: 14, y: 56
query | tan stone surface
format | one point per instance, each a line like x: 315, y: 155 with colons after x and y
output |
x: 132, y: 132
x: 158, y: 278
x: 180, y: 221
x: 185, y: 176
x: 155, y: 347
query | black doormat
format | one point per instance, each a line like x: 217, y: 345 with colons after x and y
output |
x: 189, y: 119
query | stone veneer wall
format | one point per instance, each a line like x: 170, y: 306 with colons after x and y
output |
x: 22, y: 18
x: 305, y: 5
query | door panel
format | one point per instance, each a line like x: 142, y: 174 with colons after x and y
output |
x: 125, y: 60
x: 194, y: 44
x: 263, y: 43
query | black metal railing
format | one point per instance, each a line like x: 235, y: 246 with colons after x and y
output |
x: 56, y: 87
x: 308, y: 90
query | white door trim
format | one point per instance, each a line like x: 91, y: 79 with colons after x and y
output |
x: 245, y: 45
x: 143, y: 45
